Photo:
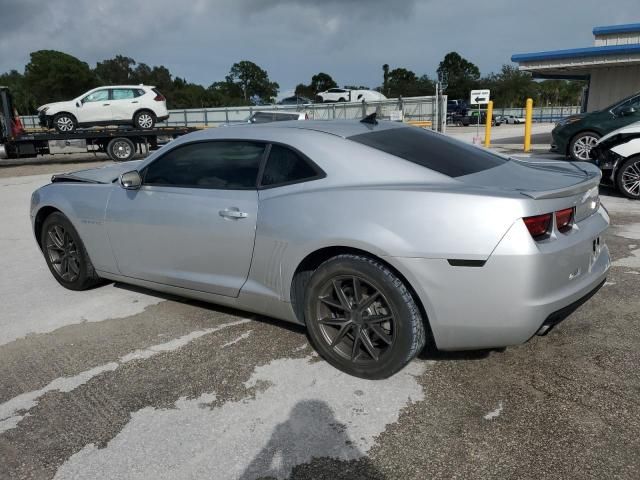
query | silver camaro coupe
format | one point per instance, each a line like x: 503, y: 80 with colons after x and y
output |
x: 379, y: 237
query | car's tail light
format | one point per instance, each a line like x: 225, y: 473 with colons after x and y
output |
x: 538, y: 225
x: 159, y: 97
x: 564, y: 219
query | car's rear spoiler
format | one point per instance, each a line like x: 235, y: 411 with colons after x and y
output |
x: 588, y: 184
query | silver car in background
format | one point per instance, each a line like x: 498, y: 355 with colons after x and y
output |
x: 381, y: 238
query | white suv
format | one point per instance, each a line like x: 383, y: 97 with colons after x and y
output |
x: 138, y: 105
x: 335, y: 95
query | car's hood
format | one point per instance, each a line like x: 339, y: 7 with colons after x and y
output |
x: 107, y: 174
x: 538, y: 178
x: 58, y: 105
x: 631, y: 129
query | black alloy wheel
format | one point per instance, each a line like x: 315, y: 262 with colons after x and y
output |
x: 65, y: 254
x: 361, y: 317
x: 628, y: 178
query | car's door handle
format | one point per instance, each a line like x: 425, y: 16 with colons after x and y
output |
x: 135, y: 101
x: 231, y: 213
x: 106, y: 104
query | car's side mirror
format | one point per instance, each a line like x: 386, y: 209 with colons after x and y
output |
x: 624, y: 111
x: 131, y: 180
x: 78, y: 104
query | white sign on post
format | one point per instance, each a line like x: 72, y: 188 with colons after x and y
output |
x: 480, y: 97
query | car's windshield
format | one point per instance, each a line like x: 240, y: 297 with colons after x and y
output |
x: 431, y: 150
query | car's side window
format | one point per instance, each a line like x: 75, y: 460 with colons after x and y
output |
x: 123, y: 94
x: 285, y: 166
x: 97, y: 96
x: 230, y: 165
x: 631, y: 103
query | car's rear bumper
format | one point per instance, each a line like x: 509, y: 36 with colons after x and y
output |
x: 560, y: 315
x: 507, y: 300
x: 163, y: 118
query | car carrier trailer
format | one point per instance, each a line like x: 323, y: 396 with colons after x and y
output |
x: 120, y: 144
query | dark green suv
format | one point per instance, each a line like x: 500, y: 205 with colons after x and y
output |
x: 576, y: 135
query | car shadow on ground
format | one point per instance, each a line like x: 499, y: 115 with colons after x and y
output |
x: 430, y: 352
x: 212, y: 307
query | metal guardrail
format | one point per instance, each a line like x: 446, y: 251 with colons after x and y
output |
x: 414, y: 109
x: 423, y: 109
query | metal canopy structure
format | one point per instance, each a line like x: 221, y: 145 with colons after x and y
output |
x: 612, y: 65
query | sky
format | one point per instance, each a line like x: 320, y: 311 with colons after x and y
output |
x: 294, y: 39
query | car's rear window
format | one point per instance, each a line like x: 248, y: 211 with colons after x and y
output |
x: 431, y: 150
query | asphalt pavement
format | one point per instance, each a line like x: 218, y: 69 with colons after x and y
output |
x: 124, y: 383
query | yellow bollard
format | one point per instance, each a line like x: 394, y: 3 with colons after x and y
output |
x: 527, y: 125
x: 487, y: 126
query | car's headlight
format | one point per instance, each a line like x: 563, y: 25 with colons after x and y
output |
x: 44, y: 109
x: 567, y: 121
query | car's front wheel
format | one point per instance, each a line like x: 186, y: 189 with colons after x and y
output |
x: 144, y: 120
x: 64, y: 123
x: 362, y: 318
x: 65, y: 254
x: 581, y: 145
x: 628, y: 178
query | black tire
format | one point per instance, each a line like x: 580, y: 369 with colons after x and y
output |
x: 61, y: 243
x: 121, y: 149
x: 64, y: 123
x: 342, y: 99
x: 144, y: 120
x: 628, y: 178
x: 382, y: 318
x: 578, y: 150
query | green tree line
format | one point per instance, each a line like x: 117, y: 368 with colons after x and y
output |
x: 52, y: 76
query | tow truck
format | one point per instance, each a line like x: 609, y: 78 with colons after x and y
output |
x: 120, y: 144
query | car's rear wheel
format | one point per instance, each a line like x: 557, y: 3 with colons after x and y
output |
x: 64, y: 123
x: 65, y: 254
x: 144, y: 120
x: 628, y: 178
x: 362, y: 318
x: 121, y: 149
x: 581, y: 145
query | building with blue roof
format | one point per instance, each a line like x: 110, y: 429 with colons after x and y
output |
x: 611, y: 66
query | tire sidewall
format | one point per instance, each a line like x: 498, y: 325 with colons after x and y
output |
x: 405, y: 314
x: 85, y: 267
x: 111, y: 145
x: 61, y: 115
x: 634, y: 159
x: 136, y: 119
x: 575, y: 139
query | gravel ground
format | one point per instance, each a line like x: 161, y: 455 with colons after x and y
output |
x: 120, y: 382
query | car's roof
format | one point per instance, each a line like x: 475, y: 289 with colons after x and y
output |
x: 140, y: 85
x: 341, y: 128
x: 286, y: 112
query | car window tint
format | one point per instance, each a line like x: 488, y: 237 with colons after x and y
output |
x: 99, y: 96
x: 123, y: 93
x: 221, y: 165
x: 285, y: 166
x: 431, y: 150
x: 632, y: 103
